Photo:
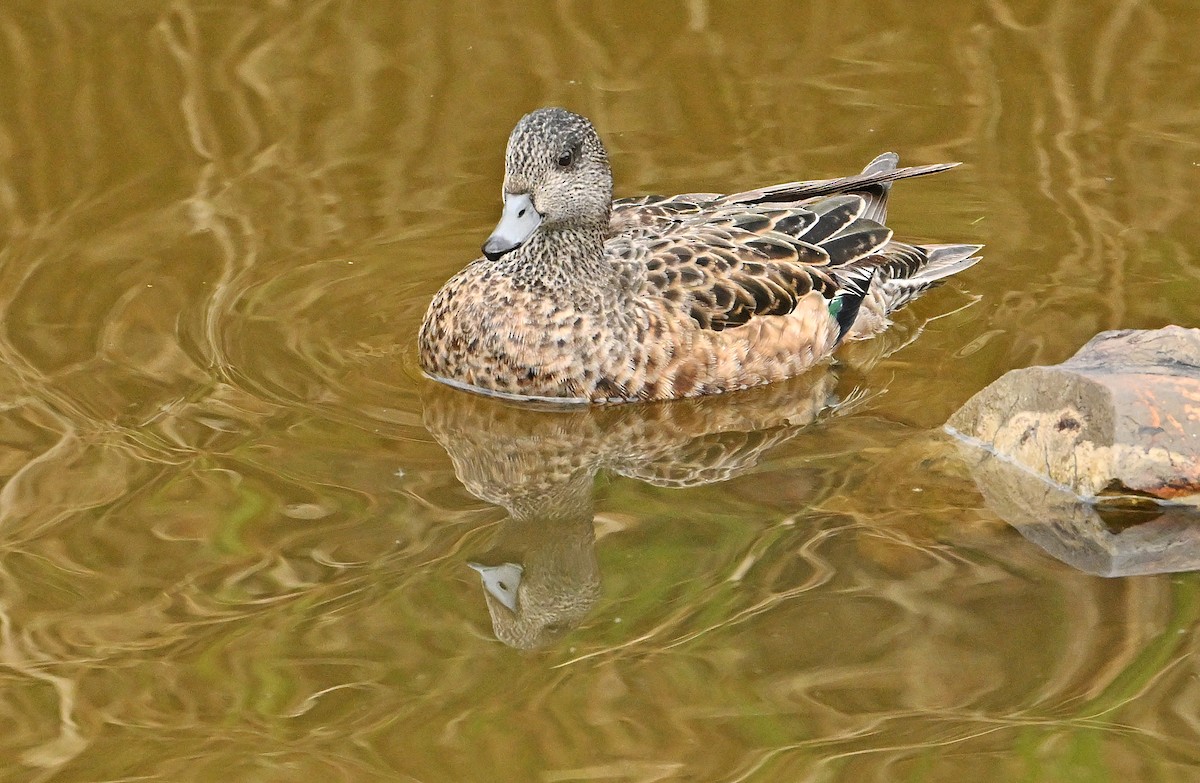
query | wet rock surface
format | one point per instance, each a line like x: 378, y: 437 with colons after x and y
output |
x: 1120, y: 417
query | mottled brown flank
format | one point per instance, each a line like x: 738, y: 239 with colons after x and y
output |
x: 661, y: 297
x: 685, y: 379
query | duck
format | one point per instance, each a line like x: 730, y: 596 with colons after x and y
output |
x: 580, y: 299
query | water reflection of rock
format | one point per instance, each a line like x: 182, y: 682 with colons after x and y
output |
x: 1106, y: 433
x: 1163, y: 539
x: 540, y: 575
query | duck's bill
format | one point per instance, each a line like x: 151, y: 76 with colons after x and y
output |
x: 518, y: 222
x: 501, y: 581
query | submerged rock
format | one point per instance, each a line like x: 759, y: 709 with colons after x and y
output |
x: 1121, y: 416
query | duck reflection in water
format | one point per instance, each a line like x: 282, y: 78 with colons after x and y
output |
x: 540, y: 575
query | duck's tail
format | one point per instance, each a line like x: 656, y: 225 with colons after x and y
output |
x: 900, y: 283
x: 904, y: 272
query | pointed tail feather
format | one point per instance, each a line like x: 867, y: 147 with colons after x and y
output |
x: 946, y: 260
x: 941, y: 262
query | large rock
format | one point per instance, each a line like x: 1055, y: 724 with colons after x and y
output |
x: 1121, y: 416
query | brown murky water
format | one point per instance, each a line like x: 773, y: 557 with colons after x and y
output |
x: 235, y: 523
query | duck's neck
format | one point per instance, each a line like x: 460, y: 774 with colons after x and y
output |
x: 562, y: 260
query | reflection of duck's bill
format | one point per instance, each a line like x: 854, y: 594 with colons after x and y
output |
x: 509, y: 396
x: 501, y: 581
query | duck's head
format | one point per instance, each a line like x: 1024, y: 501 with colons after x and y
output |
x: 556, y: 176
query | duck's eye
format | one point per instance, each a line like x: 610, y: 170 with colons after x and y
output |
x: 566, y: 159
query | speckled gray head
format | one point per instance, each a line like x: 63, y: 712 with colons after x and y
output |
x: 556, y: 177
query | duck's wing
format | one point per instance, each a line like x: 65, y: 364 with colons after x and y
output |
x: 873, y: 183
x: 642, y: 213
x: 730, y: 263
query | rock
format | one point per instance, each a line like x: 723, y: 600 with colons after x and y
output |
x: 1121, y: 416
